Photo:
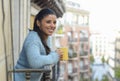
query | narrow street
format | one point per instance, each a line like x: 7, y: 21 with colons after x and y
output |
x: 98, y: 69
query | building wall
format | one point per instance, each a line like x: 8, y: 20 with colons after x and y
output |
x: 75, y: 21
x: 111, y: 53
x: 5, y: 39
x: 117, y: 48
x: 14, y: 22
x: 20, y: 24
x: 100, y: 44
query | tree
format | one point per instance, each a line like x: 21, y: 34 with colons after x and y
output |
x: 105, y: 78
x: 96, y: 79
x: 107, y: 61
x: 117, y: 72
x: 60, y: 29
x: 91, y: 58
x: 103, y: 59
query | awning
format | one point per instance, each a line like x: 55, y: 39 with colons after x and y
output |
x: 56, y: 5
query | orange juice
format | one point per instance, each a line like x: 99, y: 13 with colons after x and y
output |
x: 65, y: 53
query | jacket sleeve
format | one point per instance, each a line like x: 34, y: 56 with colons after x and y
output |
x: 37, y: 60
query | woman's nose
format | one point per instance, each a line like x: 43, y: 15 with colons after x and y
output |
x: 53, y: 25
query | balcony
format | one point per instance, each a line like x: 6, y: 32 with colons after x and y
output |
x: 28, y: 72
x: 84, y: 53
x: 83, y: 39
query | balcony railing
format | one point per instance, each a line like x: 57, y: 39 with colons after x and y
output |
x: 28, y: 71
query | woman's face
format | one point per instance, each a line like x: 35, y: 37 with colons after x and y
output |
x: 48, y: 24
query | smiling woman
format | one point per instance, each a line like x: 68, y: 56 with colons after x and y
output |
x: 47, y: 25
x: 36, y: 53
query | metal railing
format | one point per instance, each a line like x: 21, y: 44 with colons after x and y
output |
x: 28, y: 71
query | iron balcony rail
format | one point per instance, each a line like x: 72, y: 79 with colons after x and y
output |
x: 28, y: 71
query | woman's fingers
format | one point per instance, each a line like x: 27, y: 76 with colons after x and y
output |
x: 60, y: 52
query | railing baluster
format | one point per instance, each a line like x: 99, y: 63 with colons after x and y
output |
x: 27, y: 74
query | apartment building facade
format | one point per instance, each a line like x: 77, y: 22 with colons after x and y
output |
x: 112, y: 54
x: 99, y: 45
x: 75, y: 36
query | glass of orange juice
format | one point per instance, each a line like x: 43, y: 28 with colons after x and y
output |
x: 65, y: 53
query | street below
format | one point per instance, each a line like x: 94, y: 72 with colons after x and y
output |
x: 99, y: 69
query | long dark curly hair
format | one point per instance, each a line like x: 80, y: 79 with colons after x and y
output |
x: 43, y: 13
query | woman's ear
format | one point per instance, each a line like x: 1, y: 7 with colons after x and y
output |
x: 38, y: 23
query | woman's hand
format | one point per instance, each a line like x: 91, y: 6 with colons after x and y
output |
x: 60, y: 52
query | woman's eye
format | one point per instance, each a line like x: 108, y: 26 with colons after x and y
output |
x: 54, y: 22
x: 48, y: 21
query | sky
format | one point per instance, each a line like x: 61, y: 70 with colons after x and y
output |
x: 104, y: 14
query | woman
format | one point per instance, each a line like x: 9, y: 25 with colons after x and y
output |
x: 36, y: 53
